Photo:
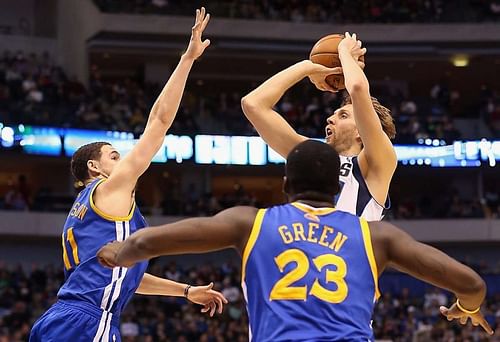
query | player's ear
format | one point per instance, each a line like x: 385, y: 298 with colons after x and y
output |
x: 93, y: 166
x: 286, y: 185
x: 358, y: 137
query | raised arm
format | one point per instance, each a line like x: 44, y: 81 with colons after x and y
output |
x: 130, y: 168
x: 377, y: 159
x: 395, y: 248
x: 258, y: 105
x: 228, y: 229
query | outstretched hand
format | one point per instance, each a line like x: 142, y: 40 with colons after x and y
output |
x: 210, y: 299
x: 453, y: 312
x: 196, y: 45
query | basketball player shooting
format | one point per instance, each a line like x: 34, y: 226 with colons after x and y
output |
x: 309, y: 272
x: 92, y: 297
x: 360, y: 130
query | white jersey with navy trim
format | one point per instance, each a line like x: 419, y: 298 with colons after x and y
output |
x: 354, y: 196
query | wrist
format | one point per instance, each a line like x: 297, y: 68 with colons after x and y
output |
x: 344, y: 53
x: 186, y: 291
x: 467, y: 309
x: 187, y: 58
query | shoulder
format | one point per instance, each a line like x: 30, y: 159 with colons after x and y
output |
x: 387, y: 235
x: 242, y: 214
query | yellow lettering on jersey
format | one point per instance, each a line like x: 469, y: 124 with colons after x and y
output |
x: 324, y: 235
x: 285, y: 234
x: 74, y: 246
x: 338, y: 242
x: 79, y: 210
x: 298, y: 229
x: 67, y: 265
x: 73, y: 210
x: 310, y: 236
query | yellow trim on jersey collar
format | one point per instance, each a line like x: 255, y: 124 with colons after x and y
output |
x: 103, y: 214
x: 254, y: 234
x: 367, y: 239
x: 311, y: 210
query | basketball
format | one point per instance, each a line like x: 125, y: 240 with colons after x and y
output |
x: 325, y: 52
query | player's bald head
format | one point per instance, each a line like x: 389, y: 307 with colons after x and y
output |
x: 312, y: 166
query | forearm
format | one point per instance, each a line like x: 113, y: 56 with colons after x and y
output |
x: 135, y: 248
x: 167, y: 103
x: 271, y: 91
x: 258, y: 108
x: 430, y: 264
x: 472, y: 293
x: 155, y: 286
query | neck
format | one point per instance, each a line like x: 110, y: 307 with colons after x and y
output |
x: 353, y: 150
x: 91, y: 179
x: 314, y: 199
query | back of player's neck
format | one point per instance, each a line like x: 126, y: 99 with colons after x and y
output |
x: 314, y: 200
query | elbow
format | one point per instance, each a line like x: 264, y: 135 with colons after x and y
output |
x: 358, y: 87
x: 249, y: 105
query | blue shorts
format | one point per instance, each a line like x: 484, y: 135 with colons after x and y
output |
x: 76, y: 321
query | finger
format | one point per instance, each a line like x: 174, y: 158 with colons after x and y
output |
x: 219, y: 295
x: 361, y: 64
x: 354, y: 36
x: 205, y: 44
x: 359, y: 43
x: 205, y: 22
x: 443, y: 310
x: 205, y: 308
x: 347, y: 35
x: 363, y: 51
x: 209, y: 286
x: 197, y: 17
x: 463, y: 320
x: 219, y: 304
x: 213, y: 307
x: 486, y: 326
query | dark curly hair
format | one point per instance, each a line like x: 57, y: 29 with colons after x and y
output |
x: 85, y: 153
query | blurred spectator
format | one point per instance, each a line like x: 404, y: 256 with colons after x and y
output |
x: 398, y: 315
x: 354, y: 11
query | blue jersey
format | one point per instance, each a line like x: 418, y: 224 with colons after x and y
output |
x: 86, y: 230
x: 309, y: 274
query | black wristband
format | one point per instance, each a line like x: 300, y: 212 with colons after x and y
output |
x: 186, y: 290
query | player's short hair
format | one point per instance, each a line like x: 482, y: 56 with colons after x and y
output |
x: 313, y: 166
x: 384, y: 115
x: 85, y: 153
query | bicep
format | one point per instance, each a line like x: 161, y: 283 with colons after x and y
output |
x: 136, y: 162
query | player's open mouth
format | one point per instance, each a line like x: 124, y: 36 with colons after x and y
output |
x: 329, y: 133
